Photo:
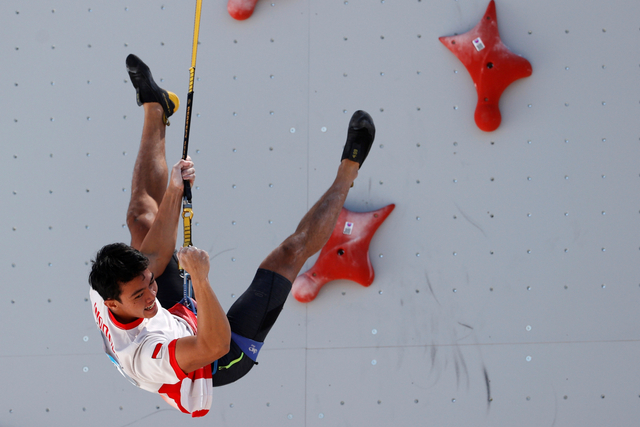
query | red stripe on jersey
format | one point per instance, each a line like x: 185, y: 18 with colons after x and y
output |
x: 185, y: 314
x: 174, y: 363
x: 156, y: 351
x: 204, y: 372
x: 125, y: 326
x: 173, y: 390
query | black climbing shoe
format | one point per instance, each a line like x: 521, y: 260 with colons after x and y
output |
x: 360, y: 136
x: 147, y: 90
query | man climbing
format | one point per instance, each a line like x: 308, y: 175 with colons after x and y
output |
x: 154, y: 340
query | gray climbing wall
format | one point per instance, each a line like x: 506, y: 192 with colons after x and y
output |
x: 507, y: 277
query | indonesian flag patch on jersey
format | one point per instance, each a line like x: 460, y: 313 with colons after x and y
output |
x: 157, y: 352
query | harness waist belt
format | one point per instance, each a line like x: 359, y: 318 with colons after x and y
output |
x: 249, y: 347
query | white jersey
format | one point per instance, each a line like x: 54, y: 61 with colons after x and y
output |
x: 144, y: 352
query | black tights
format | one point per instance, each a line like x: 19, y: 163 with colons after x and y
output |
x: 251, y: 316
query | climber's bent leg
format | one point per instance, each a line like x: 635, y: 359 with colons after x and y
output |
x: 251, y: 317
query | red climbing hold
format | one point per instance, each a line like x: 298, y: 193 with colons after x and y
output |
x: 346, y: 254
x: 241, y: 9
x: 491, y: 64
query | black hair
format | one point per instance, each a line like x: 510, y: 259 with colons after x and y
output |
x: 115, y: 263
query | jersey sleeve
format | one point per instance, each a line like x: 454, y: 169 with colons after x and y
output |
x: 155, y: 361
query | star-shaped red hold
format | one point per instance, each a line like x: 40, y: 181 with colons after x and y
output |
x: 491, y: 64
x: 345, y: 255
